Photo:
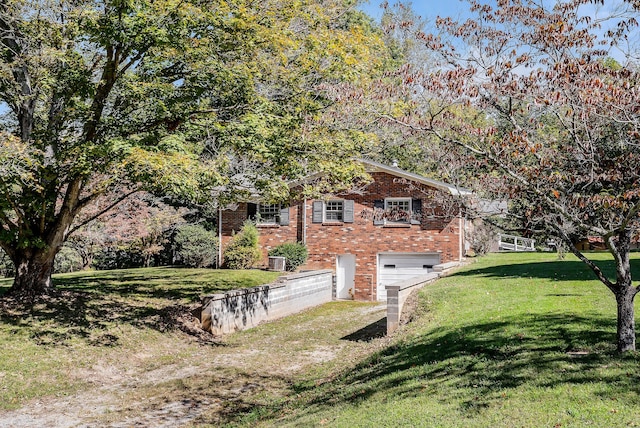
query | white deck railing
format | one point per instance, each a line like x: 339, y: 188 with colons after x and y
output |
x: 515, y: 243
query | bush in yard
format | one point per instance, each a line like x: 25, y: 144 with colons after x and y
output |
x: 67, y: 260
x: 115, y: 257
x: 295, y: 252
x: 243, y: 250
x: 196, y: 246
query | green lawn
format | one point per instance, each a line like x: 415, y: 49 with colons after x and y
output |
x: 186, y: 285
x: 112, y: 318
x: 514, y: 340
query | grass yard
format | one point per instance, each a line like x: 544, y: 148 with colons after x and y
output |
x: 514, y: 340
x: 169, y: 283
x: 103, y: 322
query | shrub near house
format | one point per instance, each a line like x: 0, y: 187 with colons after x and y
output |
x: 243, y: 251
x: 295, y: 254
x: 196, y: 246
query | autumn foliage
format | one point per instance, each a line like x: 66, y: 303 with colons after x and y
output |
x: 540, y: 104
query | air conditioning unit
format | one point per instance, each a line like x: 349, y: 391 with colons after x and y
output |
x: 277, y: 263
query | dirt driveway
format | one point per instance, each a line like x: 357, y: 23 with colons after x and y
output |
x: 213, y: 381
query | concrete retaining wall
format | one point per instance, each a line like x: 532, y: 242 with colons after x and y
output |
x: 397, y: 293
x: 246, y: 308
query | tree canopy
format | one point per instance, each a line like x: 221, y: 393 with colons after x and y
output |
x: 528, y: 97
x: 192, y: 99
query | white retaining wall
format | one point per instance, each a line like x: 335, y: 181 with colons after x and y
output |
x: 246, y: 308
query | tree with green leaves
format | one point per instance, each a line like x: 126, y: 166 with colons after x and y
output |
x: 103, y: 99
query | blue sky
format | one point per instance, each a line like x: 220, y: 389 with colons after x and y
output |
x: 429, y: 9
x: 426, y: 8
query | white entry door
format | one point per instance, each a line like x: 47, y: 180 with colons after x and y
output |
x: 345, y: 276
x: 396, y: 267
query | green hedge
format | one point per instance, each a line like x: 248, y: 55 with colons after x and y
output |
x: 295, y: 253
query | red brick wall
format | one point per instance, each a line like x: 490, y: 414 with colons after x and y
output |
x: 361, y: 238
x: 366, y: 240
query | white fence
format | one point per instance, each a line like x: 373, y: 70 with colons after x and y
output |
x: 515, y: 243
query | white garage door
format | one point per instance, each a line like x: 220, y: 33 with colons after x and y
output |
x: 395, y: 267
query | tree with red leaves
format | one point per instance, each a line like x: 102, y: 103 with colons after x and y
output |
x: 530, y: 96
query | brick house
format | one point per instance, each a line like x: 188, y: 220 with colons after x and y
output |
x: 391, y: 230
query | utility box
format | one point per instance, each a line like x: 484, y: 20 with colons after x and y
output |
x: 277, y: 263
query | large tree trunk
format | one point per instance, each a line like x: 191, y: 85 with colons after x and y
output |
x: 626, y: 319
x: 619, y: 246
x: 34, y: 264
x: 624, y: 290
x: 33, y: 272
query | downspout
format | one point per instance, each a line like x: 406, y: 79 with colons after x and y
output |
x: 304, y: 221
x: 219, y: 237
x: 461, y: 236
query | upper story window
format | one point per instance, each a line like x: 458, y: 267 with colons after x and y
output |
x: 397, y: 210
x: 334, y: 211
x: 268, y: 213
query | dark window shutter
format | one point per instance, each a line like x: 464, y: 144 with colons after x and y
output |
x: 252, y: 210
x: 318, y: 207
x: 416, y: 207
x: 347, y: 215
x: 378, y: 212
x: 284, y: 216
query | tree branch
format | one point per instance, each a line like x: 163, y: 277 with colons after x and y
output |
x: 595, y: 268
x: 88, y: 200
x: 25, y: 104
x: 505, y: 168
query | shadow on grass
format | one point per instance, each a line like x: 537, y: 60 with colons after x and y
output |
x: 90, y: 306
x: 70, y: 314
x: 368, y: 333
x: 169, y: 283
x: 559, y: 270
x: 478, y: 363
